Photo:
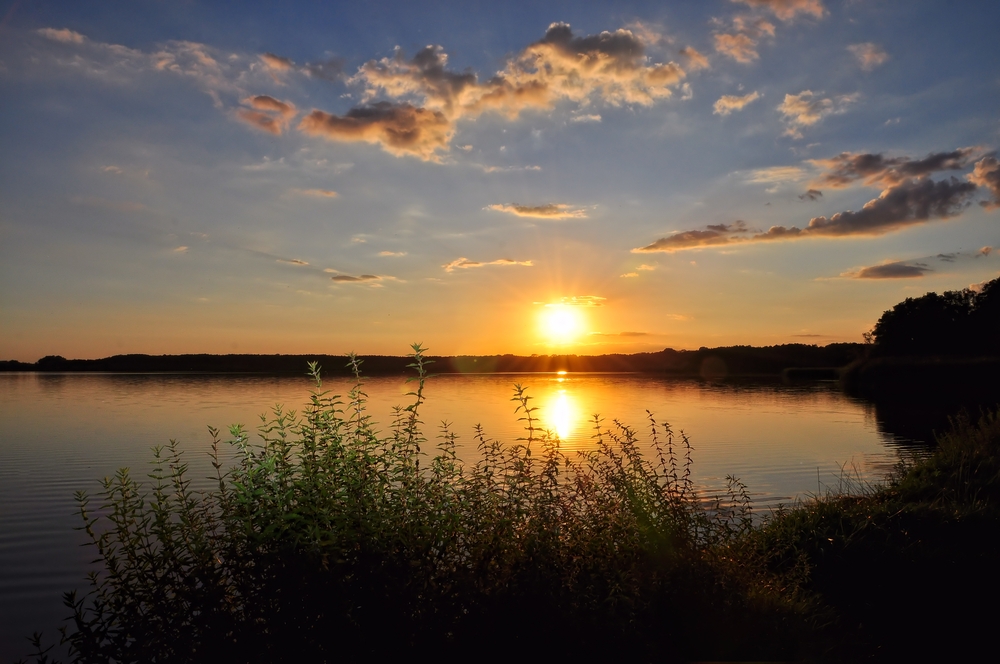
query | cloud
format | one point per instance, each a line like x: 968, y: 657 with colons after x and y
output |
x: 811, y: 195
x: 400, y: 129
x: 646, y: 268
x: 741, y: 43
x: 879, y: 170
x: 896, y: 270
x: 776, y: 175
x: 629, y: 275
x: 905, y: 204
x: 348, y: 279
x: 268, y: 114
x: 713, y: 235
x: 180, y: 250
x: 986, y: 174
x: 464, y: 263
x: 427, y: 98
x: 804, y: 110
x: 292, y: 261
x: 65, y: 35
x: 869, y: 55
x: 507, y: 169
x: 392, y: 253
x: 729, y: 103
x: 695, y: 60
x: 739, y: 47
x: 787, y: 10
x: 985, y: 251
x: 547, y: 211
x: 590, y: 117
x: 320, y: 193
x: 577, y: 301
x: 276, y: 62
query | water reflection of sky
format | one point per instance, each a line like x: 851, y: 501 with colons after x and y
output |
x: 62, y: 433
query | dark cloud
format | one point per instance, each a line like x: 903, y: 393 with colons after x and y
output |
x: 908, y: 203
x: 890, y: 271
x: 811, y: 195
x: 879, y: 170
x: 986, y: 174
x: 686, y: 240
x: 401, y: 129
x: 346, y: 278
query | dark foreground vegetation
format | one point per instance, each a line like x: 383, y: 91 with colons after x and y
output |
x: 329, y: 540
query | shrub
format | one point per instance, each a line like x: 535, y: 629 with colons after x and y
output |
x: 328, y: 540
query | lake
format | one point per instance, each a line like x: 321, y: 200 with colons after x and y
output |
x: 60, y: 433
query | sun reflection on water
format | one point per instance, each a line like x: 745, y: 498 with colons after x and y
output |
x: 561, y: 414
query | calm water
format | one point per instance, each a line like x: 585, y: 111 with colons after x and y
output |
x: 61, y: 433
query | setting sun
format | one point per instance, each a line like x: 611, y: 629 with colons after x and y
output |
x: 561, y: 324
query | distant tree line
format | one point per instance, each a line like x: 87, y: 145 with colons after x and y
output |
x: 963, y: 323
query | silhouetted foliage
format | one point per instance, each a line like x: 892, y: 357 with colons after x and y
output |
x: 956, y: 323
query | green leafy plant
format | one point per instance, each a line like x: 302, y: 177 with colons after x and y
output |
x: 328, y: 539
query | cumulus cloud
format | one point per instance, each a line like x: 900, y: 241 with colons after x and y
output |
x: 905, y: 204
x: 64, y: 35
x: 464, y: 263
x: 427, y: 98
x: 787, y: 10
x: 547, y: 211
x: 729, y: 103
x: 811, y: 195
x: 805, y: 109
x: 875, y: 169
x: 889, y: 270
x: 986, y: 174
x: 400, y: 129
x: 869, y: 55
x: 695, y: 60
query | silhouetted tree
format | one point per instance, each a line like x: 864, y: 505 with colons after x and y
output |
x: 956, y: 323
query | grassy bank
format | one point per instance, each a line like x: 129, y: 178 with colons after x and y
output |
x: 330, y: 539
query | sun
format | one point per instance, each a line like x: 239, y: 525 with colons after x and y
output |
x: 561, y: 324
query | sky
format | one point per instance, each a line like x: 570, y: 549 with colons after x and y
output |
x: 484, y: 177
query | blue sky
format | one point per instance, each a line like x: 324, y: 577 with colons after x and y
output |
x: 487, y: 178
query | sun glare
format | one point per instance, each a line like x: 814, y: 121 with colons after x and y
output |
x: 561, y: 324
x: 561, y: 414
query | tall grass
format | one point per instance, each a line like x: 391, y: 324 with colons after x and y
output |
x: 327, y: 539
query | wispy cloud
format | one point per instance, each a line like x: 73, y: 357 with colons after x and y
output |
x: 576, y: 301
x: 695, y: 60
x: 349, y: 279
x: 729, y: 103
x: 806, y: 109
x: 464, y: 263
x: 392, y: 253
x: 787, y: 10
x: 547, y: 211
x: 319, y: 193
x: 776, y: 175
x: 811, y: 195
x: 869, y: 55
